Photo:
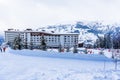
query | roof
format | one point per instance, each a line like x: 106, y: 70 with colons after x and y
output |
x: 48, y: 32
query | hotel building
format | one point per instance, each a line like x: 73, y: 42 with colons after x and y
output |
x: 52, y: 38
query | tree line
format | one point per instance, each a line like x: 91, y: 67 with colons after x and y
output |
x: 108, y: 41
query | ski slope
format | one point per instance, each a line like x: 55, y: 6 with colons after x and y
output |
x: 41, y: 65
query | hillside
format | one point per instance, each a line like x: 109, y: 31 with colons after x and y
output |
x: 87, y: 30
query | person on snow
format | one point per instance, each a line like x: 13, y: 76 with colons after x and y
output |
x: 0, y: 48
x: 4, y: 48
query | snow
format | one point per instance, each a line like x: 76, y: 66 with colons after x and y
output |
x: 108, y: 53
x: 44, y: 65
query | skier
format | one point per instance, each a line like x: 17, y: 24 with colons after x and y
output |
x: 0, y: 48
x: 4, y: 49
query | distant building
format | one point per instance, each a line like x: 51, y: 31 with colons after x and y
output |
x: 52, y: 38
x: 88, y: 44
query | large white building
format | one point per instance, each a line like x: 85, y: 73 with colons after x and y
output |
x: 52, y: 38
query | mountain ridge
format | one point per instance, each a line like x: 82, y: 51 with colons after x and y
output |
x: 87, y: 30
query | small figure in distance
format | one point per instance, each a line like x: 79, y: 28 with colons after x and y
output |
x: 0, y: 48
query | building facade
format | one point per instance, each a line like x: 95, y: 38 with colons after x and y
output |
x: 52, y: 39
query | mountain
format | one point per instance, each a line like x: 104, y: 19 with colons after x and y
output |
x: 87, y: 30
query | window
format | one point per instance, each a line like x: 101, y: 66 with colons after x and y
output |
x: 52, y: 40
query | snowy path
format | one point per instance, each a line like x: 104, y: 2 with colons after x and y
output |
x: 18, y: 67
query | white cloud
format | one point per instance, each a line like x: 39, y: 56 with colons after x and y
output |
x: 36, y: 13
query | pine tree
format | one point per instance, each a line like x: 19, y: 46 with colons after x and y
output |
x: 31, y: 45
x: 85, y: 51
x: 68, y: 49
x: 17, y: 43
x: 60, y: 48
x: 43, y: 44
x: 96, y: 45
x: 108, y: 43
x: 100, y: 42
x: 75, y: 49
x: 25, y: 44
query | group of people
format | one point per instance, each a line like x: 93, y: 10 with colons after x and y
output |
x: 2, y: 49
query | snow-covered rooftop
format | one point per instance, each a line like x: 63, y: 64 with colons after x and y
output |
x: 43, y: 31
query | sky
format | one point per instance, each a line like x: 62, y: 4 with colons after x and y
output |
x: 22, y: 14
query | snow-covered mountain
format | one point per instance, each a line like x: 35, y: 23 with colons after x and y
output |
x: 87, y: 30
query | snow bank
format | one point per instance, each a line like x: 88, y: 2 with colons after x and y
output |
x: 65, y: 55
x: 108, y: 53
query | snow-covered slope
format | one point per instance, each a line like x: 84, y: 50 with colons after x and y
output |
x: 14, y: 66
x: 65, y: 55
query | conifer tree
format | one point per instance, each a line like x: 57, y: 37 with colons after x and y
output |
x: 25, y: 44
x: 43, y: 44
x: 68, y: 49
x: 75, y: 49
x: 17, y: 43
x: 85, y: 51
x: 60, y: 48
x: 31, y: 45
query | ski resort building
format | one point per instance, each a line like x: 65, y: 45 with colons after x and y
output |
x: 52, y: 39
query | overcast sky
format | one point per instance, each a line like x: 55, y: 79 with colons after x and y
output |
x: 38, y: 13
